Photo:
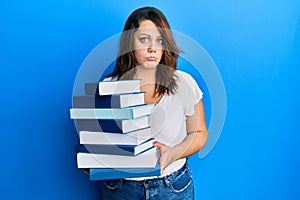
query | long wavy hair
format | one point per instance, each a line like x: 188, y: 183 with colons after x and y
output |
x: 126, y: 61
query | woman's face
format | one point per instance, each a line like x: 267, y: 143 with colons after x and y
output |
x: 148, y: 44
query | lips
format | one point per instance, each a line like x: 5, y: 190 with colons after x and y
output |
x: 151, y: 58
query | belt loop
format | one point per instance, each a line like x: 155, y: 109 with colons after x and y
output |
x: 166, y: 180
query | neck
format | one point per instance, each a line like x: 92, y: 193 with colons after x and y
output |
x: 146, y: 74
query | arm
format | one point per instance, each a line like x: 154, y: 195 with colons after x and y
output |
x: 195, y: 140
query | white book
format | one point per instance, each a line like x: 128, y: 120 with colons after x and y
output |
x: 111, y: 113
x: 132, y: 138
x: 147, y: 159
x: 129, y: 125
x: 113, y: 87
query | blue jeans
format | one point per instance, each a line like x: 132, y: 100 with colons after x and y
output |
x: 178, y: 185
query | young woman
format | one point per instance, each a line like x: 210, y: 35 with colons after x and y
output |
x: 148, y: 52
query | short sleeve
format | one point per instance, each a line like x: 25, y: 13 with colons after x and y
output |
x: 189, y: 92
x: 108, y: 79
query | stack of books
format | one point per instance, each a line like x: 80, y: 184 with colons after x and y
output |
x: 114, y: 132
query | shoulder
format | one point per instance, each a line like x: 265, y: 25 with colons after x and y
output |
x: 187, y: 84
x: 189, y: 92
x: 184, y: 79
x: 182, y: 74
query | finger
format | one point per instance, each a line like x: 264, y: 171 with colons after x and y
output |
x: 86, y: 171
x: 161, y: 171
x: 162, y: 166
x: 158, y: 144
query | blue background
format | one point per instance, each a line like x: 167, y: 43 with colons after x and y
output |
x: 255, y: 44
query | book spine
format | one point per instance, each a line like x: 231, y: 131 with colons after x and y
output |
x: 115, y: 126
x: 116, y: 173
x: 147, y: 159
x: 88, y: 125
x: 132, y: 138
x: 112, y: 87
x: 99, y: 113
x: 105, y: 125
x: 119, y: 87
x: 111, y: 113
x: 115, y: 149
x: 110, y: 125
x: 90, y: 101
x: 112, y: 149
x: 91, y: 88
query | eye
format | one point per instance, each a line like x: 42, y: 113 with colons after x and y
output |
x: 144, y: 39
x: 159, y: 41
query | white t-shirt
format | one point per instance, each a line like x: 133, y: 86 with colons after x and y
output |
x: 168, y: 117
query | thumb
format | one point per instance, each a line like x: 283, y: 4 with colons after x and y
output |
x: 158, y: 145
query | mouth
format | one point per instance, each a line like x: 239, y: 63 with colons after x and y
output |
x: 151, y: 58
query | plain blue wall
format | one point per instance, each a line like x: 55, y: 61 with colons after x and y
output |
x: 255, y: 44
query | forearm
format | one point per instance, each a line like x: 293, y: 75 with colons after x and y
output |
x: 193, y: 142
x: 197, y: 133
x: 190, y: 145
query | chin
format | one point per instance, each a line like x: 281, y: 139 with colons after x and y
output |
x: 150, y: 65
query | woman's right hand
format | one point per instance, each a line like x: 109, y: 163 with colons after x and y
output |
x: 168, y: 155
x: 86, y: 171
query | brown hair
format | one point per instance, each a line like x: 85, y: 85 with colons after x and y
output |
x: 126, y: 61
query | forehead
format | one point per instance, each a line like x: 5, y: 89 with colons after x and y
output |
x: 148, y: 27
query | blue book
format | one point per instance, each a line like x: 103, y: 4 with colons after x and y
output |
x: 113, y: 149
x: 111, y: 113
x: 110, y: 125
x: 97, y: 174
x: 109, y: 101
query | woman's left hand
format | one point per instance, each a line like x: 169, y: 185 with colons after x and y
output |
x: 168, y: 154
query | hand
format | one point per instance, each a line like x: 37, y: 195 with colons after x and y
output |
x: 168, y: 155
x: 86, y: 171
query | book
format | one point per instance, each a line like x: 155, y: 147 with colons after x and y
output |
x: 132, y: 138
x: 111, y: 113
x: 147, y: 159
x: 116, y: 173
x: 112, y: 149
x: 112, y: 87
x: 110, y: 125
x: 109, y: 101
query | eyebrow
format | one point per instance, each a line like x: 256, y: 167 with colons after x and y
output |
x: 148, y: 34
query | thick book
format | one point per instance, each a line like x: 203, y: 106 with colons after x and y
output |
x: 112, y: 149
x: 132, y: 138
x: 112, y: 87
x: 109, y: 101
x: 110, y: 125
x: 111, y: 113
x: 116, y: 173
x: 148, y: 159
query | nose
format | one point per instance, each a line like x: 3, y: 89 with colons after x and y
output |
x: 152, y: 47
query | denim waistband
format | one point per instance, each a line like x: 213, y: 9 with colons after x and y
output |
x: 160, y: 179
